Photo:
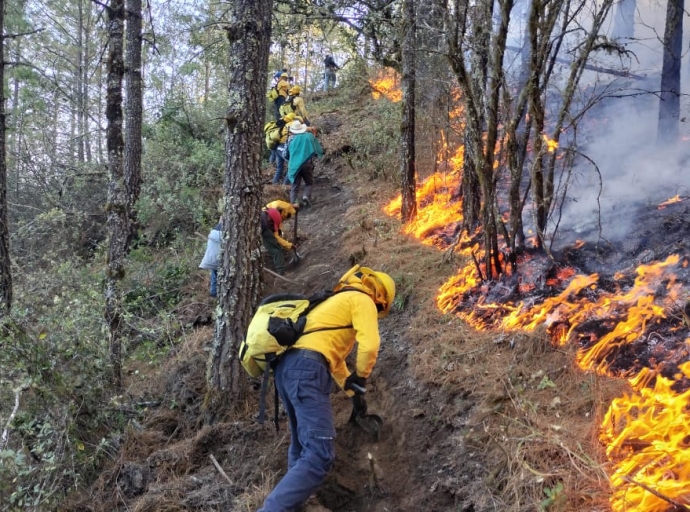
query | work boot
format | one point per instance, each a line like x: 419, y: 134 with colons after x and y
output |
x: 305, y: 202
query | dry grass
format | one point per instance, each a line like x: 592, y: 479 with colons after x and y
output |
x: 534, y: 416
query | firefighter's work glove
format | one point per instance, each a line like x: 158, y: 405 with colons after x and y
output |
x: 356, y: 383
x: 359, y: 406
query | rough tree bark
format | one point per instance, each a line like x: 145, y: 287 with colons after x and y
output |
x: 5, y: 267
x: 407, y: 136
x: 117, y: 207
x: 249, y: 35
x: 669, y: 101
x: 133, y: 106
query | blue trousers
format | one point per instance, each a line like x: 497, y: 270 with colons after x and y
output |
x: 214, y: 283
x: 304, y: 386
x: 280, y: 175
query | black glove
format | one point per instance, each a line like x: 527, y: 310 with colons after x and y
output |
x: 359, y: 406
x: 355, y: 380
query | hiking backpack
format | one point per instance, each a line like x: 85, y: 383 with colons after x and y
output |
x: 276, y: 326
x: 287, y: 107
x: 272, y: 93
x: 272, y: 132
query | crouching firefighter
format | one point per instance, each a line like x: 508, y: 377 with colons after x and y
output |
x: 272, y: 216
x: 303, y: 375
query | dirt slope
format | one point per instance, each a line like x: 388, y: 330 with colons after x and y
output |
x: 438, y: 387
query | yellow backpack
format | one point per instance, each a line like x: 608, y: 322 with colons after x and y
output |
x: 272, y: 93
x: 272, y: 132
x: 276, y: 326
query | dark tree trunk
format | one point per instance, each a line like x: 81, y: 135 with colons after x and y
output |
x: 669, y: 102
x: 624, y: 20
x: 407, y: 153
x: 5, y: 268
x: 471, y: 195
x: 495, y: 81
x: 133, y: 106
x: 117, y: 208
x: 240, y: 266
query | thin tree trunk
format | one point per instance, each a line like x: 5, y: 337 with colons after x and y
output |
x: 240, y: 265
x: 5, y: 267
x: 79, y: 83
x: 407, y: 147
x: 85, y: 85
x: 117, y: 207
x: 624, y: 20
x: 669, y: 101
x: 133, y: 106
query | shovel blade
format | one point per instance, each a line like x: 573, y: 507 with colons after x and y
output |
x: 370, y: 423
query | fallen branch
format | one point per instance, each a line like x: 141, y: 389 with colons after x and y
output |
x: 275, y: 274
x: 6, y: 431
x: 479, y: 269
x: 656, y: 493
x: 220, y: 470
x: 599, y: 69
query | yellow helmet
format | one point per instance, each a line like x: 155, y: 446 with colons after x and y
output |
x: 289, y: 117
x: 378, y: 285
x: 295, y: 89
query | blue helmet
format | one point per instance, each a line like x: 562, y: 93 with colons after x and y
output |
x: 277, y: 74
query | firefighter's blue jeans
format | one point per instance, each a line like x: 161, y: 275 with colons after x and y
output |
x: 280, y: 174
x: 304, y: 386
x: 214, y: 283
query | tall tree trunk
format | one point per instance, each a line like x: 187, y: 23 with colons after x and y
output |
x: 240, y: 266
x: 407, y: 147
x: 669, y: 101
x: 85, y: 85
x: 495, y: 82
x: 79, y: 83
x: 133, y: 106
x: 117, y: 207
x: 5, y: 267
x: 624, y: 20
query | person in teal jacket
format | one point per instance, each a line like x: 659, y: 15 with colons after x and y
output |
x: 302, y: 148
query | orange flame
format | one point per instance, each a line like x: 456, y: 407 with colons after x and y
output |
x: 646, y: 432
x: 386, y: 84
x: 551, y: 145
x: 435, y: 207
x: 674, y: 199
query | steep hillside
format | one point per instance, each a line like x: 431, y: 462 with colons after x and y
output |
x: 472, y: 421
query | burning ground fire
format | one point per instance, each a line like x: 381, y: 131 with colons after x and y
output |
x: 387, y: 84
x: 632, y: 328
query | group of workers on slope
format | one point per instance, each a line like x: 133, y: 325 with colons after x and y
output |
x: 291, y: 139
x: 305, y: 372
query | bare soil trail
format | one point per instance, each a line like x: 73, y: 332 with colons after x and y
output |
x: 168, y: 461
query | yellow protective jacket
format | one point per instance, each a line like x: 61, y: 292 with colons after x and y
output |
x: 284, y: 134
x: 299, y: 107
x: 287, y: 210
x: 349, y: 307
x: 283, y: 86
x: 267, y: 223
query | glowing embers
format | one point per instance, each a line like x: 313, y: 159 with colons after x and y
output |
x: 647, y: 431
x: 551, y: 145
x: 386, y: 84
x: 625, y: 327
x: 673, y: 200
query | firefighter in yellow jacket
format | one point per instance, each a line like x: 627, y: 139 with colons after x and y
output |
x: 304, y: 373
x: 271, y: 235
